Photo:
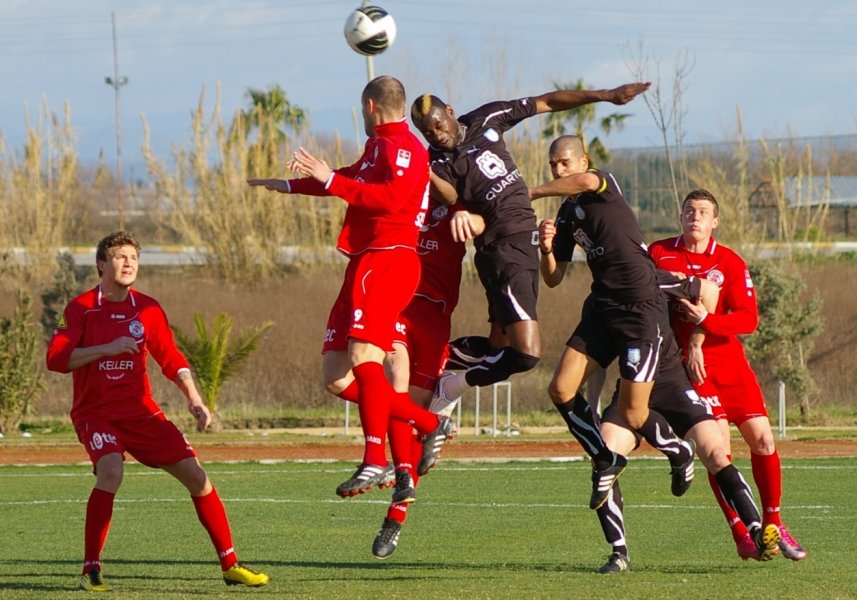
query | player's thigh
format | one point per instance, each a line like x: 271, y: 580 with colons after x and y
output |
x: 336, y: 371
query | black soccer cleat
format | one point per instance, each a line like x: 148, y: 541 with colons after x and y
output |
x: 433, y: 443
x: 387, y: 539
x: 616, y: 563
x: 404, y: 493
x: 603, y: 478
x: 365, y: 478
x: 682, y: 475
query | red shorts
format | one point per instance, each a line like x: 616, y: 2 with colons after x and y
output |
x: 378, y: 286
x: 735, y: 386
x: 154, y: 441
x: 708, y: 394
x: 739, y: 390
x: 425, y: 330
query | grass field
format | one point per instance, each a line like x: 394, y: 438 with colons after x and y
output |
x: 478, y: 530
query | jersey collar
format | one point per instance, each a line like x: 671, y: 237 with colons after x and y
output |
x: 130, y: 297
x: 712, y: 245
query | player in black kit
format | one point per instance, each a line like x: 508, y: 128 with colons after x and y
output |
x: 625, y: 316
x: 470, y: 164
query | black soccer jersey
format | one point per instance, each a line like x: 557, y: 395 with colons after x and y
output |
x: 605, y: 228
x: 483, y: 173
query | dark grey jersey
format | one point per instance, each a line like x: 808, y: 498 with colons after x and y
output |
x: 483, y: 173
x: 605, y: 228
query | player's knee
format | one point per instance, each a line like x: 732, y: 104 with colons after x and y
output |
x: 520, y: 362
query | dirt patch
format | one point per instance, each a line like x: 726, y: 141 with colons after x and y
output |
x: 14, y: 452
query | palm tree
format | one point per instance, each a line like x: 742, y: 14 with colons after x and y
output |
x: 270, y: 114
x: 580, y: 118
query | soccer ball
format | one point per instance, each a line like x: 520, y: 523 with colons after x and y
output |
x: 370, y: 30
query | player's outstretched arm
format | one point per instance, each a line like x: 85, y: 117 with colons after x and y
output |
x: 567, y: 99
x: 275, y: 185
x: 570, y: 185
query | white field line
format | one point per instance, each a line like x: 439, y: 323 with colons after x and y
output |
x: 484, y: 505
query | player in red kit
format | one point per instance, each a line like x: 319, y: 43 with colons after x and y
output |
x: 718, y: 367
x: 105, y: 338
x: 387, y: 195
x: 421, y: 348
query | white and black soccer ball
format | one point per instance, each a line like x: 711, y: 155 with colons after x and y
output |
x: 370, y: 30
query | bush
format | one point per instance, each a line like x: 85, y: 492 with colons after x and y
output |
x: 20, y: 377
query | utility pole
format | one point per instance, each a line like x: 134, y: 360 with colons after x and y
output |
x: 117, y: 82
x: 370, y: 63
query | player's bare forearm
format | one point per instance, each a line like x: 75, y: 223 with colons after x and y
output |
x: 195, y: 405
x: 567, y: 99
x: 566, y: 186
x: 274, y: 185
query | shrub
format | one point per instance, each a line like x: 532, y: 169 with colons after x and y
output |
x: 20, y: 377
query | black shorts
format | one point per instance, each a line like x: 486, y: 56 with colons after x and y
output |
x: 509, y: 271
x: 635, y: 333
x: 673, y: 396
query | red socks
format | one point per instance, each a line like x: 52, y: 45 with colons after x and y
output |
x: 212, y: 515
x: 375, y: 394
x: 768, y: 475
x: 99, y: 512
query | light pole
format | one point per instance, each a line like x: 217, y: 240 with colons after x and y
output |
x: 117, y: 82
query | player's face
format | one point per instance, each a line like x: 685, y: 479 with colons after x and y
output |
x: 441, y: 129
x: 698, y: 220
x: 565, y: 163
x: 120, y: 268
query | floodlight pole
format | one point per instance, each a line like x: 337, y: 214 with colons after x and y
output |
x: 370, y: 63
x: 117, y: 82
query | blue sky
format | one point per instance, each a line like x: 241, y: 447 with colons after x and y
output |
x: 789, y: 66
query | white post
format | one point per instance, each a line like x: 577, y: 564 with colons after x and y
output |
x: 476, y: 416
x: 508, y: 387
x: 781, y: 411
x: 347, y: 413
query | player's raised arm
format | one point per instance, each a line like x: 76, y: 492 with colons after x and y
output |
x: 570, y: 185
x: 567, y: 99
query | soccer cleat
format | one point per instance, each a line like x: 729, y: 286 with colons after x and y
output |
x: 238, y: 574
x: 767, y: 539
x: 603, y: 478
x: 365, y: 478
x: 389, y: 477
x: 616, y: 563
x: 682, y: 475
x: 404, y: 492
x: 387, y: 539
x: 789, y: 546
x: 92, y: 582
x: 440, y: 404
x: 433, y: 443
x: 746, y: 547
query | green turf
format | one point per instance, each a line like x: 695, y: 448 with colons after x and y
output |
x: 478, y: 530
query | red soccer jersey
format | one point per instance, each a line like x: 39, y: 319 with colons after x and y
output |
x: 114, y: 387
x: 386, y: 191
x: 440, y: 258
x: 736, y: 314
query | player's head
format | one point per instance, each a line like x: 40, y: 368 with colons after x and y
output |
x: 383, y: 101
x: 116, y: 258
x: 567, y: 156
x: 436, y: 121
x: 700, y: 215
